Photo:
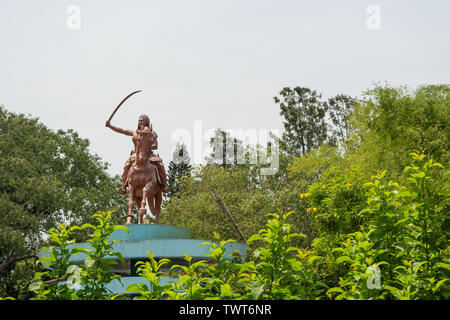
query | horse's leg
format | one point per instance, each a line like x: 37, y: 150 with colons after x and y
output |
x: 142, y: 210
x: 130, y: 204
x: 154, y: 188
x: 158, y: 201
x: 150, y: 199
x: 137, y: 203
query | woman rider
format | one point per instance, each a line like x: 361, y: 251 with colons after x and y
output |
x: 143, y: 128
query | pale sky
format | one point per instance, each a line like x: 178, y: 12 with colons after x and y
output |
x: 218, y: 62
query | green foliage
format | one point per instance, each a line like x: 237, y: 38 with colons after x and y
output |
x: 406, y: 238
x: 191, y: 285
x: 245, y: 191
x: 390, y: 122
x: 59, y: 267
x: 310, y: 167
x: 88, y: 281
x: 216, y: 278
x: 226, y: 150
x: 99, y: 263
x: 336, y: 201
x: 46, y: 178
x: 195, y: 208
x: 281, y: 271
x: 375, y: 226
x: 304, y: 119
x: 178, y: 167
x: 357, y: 252
x: 401, y: 252
x: 340, y: 109
x: 277, y: 271
x: 220, y: 275
x: 248, y: 201
x: 151, y: 271
x: 304, y: 114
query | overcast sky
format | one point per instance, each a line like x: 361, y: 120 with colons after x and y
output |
x: 218, y: 62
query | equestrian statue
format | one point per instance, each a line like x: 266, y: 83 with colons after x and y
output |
x: 144, y: 173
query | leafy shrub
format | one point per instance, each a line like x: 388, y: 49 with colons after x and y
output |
x: 335, y: 202
x: 88, y: 281
x: 406, y: 240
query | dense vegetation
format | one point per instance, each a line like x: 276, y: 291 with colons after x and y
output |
x: 360, y: 208
x: 46, y: 178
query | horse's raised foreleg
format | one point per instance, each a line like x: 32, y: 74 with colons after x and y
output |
x: 130, y: 204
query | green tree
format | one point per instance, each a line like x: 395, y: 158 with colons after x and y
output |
x: 389, y: 123
x: 226, y: 151
x: 178, y: 167
x: 304, y: 119
x: 340, y: 109
x: 246, y: 192
x: 195, y: 208
x: 46, y: 178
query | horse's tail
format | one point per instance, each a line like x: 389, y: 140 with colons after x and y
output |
x: 153, y: 189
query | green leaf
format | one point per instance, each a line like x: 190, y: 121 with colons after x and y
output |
x: 187, y: 257
x: 46, y: 259
x: 436, y: 287
x: 393, y: 290
x: 211, y: 244
x: 299, y: 235
x: 287, y: 215
x: 121, y: 227
x: 343, y: 259
x: 311, y: 259
x: 437, y: 164
x: 443, y: 265
x: 110, y: 261
x: 256, y: 253
x: 89, y: 262
x: 225, y: 290
x: 87, y: 225
x: 335, y: 289
x: 254, y: 237
x: 35, y: 286
x: 257, y: 289
x: 133, y: 288
x: 80, y: 250
x: 338, y: 250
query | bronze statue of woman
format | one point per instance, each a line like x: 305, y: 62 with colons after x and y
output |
x: 145, y: 140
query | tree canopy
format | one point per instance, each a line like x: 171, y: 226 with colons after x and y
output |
x: 178, y: 167
x: 45, y: 177
x: 377, y: 132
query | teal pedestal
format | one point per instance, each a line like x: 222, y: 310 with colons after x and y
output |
x: 163, y: 241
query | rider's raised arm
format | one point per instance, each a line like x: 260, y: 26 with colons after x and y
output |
x: 119, y: 130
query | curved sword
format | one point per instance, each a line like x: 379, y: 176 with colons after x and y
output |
x: 117, y: 108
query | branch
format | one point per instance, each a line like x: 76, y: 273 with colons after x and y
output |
x: 52, y: 281
x: 227, y: 214
x: 8, y: 261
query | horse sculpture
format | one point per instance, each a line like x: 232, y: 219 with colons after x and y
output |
x: 144, y: 173
x: 143, y: 187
